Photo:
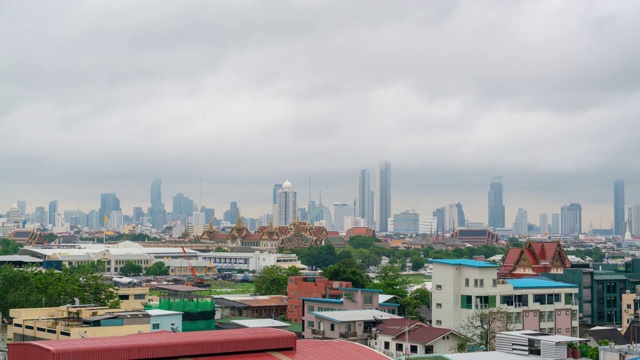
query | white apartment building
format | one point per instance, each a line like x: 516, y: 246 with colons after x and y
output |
x: 462, y: 286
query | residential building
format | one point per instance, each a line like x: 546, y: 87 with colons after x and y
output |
x: 555, y: 223
x: 353, y: 325
x: 544, y: 223
x: 384, y: 197
x: 340, y: 212
x: 165, y: 320
x: 521, y: 222
x: 157, y: 211
x: 534, y: 258
x: 261, y: 307
x: 619, y: 224
x: 299, y: 287
x: 133, y: 298
x: 571, y: 219
x: 461, y: 287
x: 286, y: 204
x: 496, y: 204
x: 398, y: 337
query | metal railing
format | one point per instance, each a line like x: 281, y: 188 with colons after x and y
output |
x: 317, y: 332
x: 349, y: 334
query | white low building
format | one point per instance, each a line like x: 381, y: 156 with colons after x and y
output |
x: 250, y: 261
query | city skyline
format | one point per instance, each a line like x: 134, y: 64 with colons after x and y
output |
x: 244, y: 96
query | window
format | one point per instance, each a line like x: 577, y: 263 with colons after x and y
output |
x: 438, y: 287
x: 506, y: 300
x: 475, y: 282
x: 466, y: 302
x: 138, y: 296
x: 310, y: 324
x: 466, y: 282
x: 428, y: 349
x: 481, y: 282
x: 155, y: 326
x: 438, y: 322
x: 310, y: 308
x: 368, y: 299
x: 386, y: 345
x: 526, y: 314
x: 568, y: 330
x: 348, y: 295
x: 438, y: 306
x: 399, y: 347
x: 559, y: 331
x: 495, y: 282
x: 332, y: 327
x: 413, y: 349
x: 629, y: 306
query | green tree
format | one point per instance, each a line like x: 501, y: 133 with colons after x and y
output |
x: 9, y: 247
x: 482, y: 325
x: 390, y: 280
x: 220, y: 249
x: 347, y: 270
x: 363, y: 242
x: 422, y: 296
x: 417, y: 262
x: 272, y: 280
x: 157, y: 269
x: 130, y: 269
x: 409, y: 308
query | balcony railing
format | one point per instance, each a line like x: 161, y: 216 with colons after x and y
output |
x: 349, y: 334
x: 317, y: 332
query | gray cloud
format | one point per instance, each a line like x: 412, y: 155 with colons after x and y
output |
x: 98, y: 97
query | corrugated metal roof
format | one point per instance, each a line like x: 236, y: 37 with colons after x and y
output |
x: 538, y: 284
x: 260, y: 323
x: 156, y: 345
x: 177, y: 288
x: 353, y: 315
x: 463, y: 262
x: 22, y: 258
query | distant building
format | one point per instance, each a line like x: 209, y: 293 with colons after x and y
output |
x: 364, y: 202
x: 109, y: 203
x: 555, y: 223
x: 340, y: 211
x: 287, y: 204
x: 462, y: 220
x: 157, y: 211
x: 544, y: 223
x: 475, y: 237
x: 521, y: 222
x: 182, y: 207
x: 384, y: 196
x: 53, y: 210
x: 619, y: 225
x: 634, y: 219
x: 41, y: 216
x: 22, y: 207
x: 535, y: 258
x: 496, y: 204
x: 439, y: 215
x: 360, y: 230
x: 571, y: 219
x: 407, y: 222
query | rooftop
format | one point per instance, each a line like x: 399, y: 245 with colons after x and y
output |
x: 332, y: 301
x: 260, y: 323
x: 353, y: 315
x: 528, y: 283
x: 464, y: 262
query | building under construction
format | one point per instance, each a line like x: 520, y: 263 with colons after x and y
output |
x: 198, y: 309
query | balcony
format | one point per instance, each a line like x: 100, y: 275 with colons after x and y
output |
x: 348, y: 335
x: 317, y: 332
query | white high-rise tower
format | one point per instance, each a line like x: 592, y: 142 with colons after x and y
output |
x: 286, y: 204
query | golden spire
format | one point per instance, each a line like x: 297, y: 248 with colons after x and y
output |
x: 239, y: 223
x: 271, y: 225
x: 211, y: 225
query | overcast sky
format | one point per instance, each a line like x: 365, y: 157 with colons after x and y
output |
x: 103, y: 96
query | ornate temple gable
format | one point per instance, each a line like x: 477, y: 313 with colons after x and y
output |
x: 533, y: 250
x: 238, y: 231
x: 560, y: 258
x: 209, y: 232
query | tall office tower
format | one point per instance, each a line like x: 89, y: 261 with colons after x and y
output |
x: 450, y: 218
x: 209, y: 214
x: 496, y: 204
x: 182, y: 207
x: 439, y: 215
x: 544, y: 223
x: 53, y: 210
x: 521, y: 222
x: 15, y: 218
x: 629, y: 218
x: 302, y: 214
x: 286, y: 204
x: 40, y: 215
x: 276, y: 189
x: 384, y: 196
x: 231, y: 215
x: 340, y: 211
x: 634, y: 219
x: 555, y: 223
x: 364, y: 202
x: 462, y: 221
x: 157, y: 211
x: 571, y: 219
x: 22, y: 207
x: 94, y: 221
x: 116, y: 220
x: 138, y: 214
x: 619, y: 226
x: 109, y: 203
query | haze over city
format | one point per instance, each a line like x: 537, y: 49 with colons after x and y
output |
x: 233, y: 97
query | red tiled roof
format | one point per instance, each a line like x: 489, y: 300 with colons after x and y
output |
x: 419, y: 333
x: 270, y: 301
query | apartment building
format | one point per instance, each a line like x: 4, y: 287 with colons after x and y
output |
x: 461, y: 287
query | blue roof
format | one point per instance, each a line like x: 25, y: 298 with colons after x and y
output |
x: 464, y: 262
x: 360, y: 289
x: 538, y: 284
x: 333, y: 301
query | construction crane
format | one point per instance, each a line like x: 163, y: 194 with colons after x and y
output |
x: 196, y: 280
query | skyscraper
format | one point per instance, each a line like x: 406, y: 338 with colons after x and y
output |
x: 521, y: 222
x: 340, y: 211
x: 496, y: 204
x: 53, y: 210
x: 619, y: 225
x: 40, y: 215
x: 384, y: 196
x: 231, y: 215
x: 364, y: 202
x: 276, y: 189
x: 462, y: 221
x: 439, y: 215
x: 138, y: 213
x: 109, y: 203
x: 544, y: 223
x: 634, y: 219
x: 157, y: 211
x: 286, y: 204
x: 571, y: 219
x: 182, y: 207
x: 22, y: 207
x: 555, y: 223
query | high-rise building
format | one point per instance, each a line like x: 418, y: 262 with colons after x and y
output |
x: 384, y: 196
x: 53, y: 210
x: 555, y: 223
x: 544, y: 223
x: 619, y: 225
x: 340, y: 211
x: 462, y: 221
x: 407, y: 222
x: 571, y: 219
x: 15, y: 218
x: 138, y: 214
x: 634, y: 219
x: 286, y: 204
x: 276, y: 188
x: 157, y: 211
x: 521, y: 223
x: 231, y: 215
x: 364, y: 202
x: 496, y: 204
x: 116, y: 220
x: 94, y: 220
x: 182, y: 207
x: 439, y: 215
x: 450, y: 218
x: 22, y: 207
x: 109, y: 203
x: 40, y: 216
